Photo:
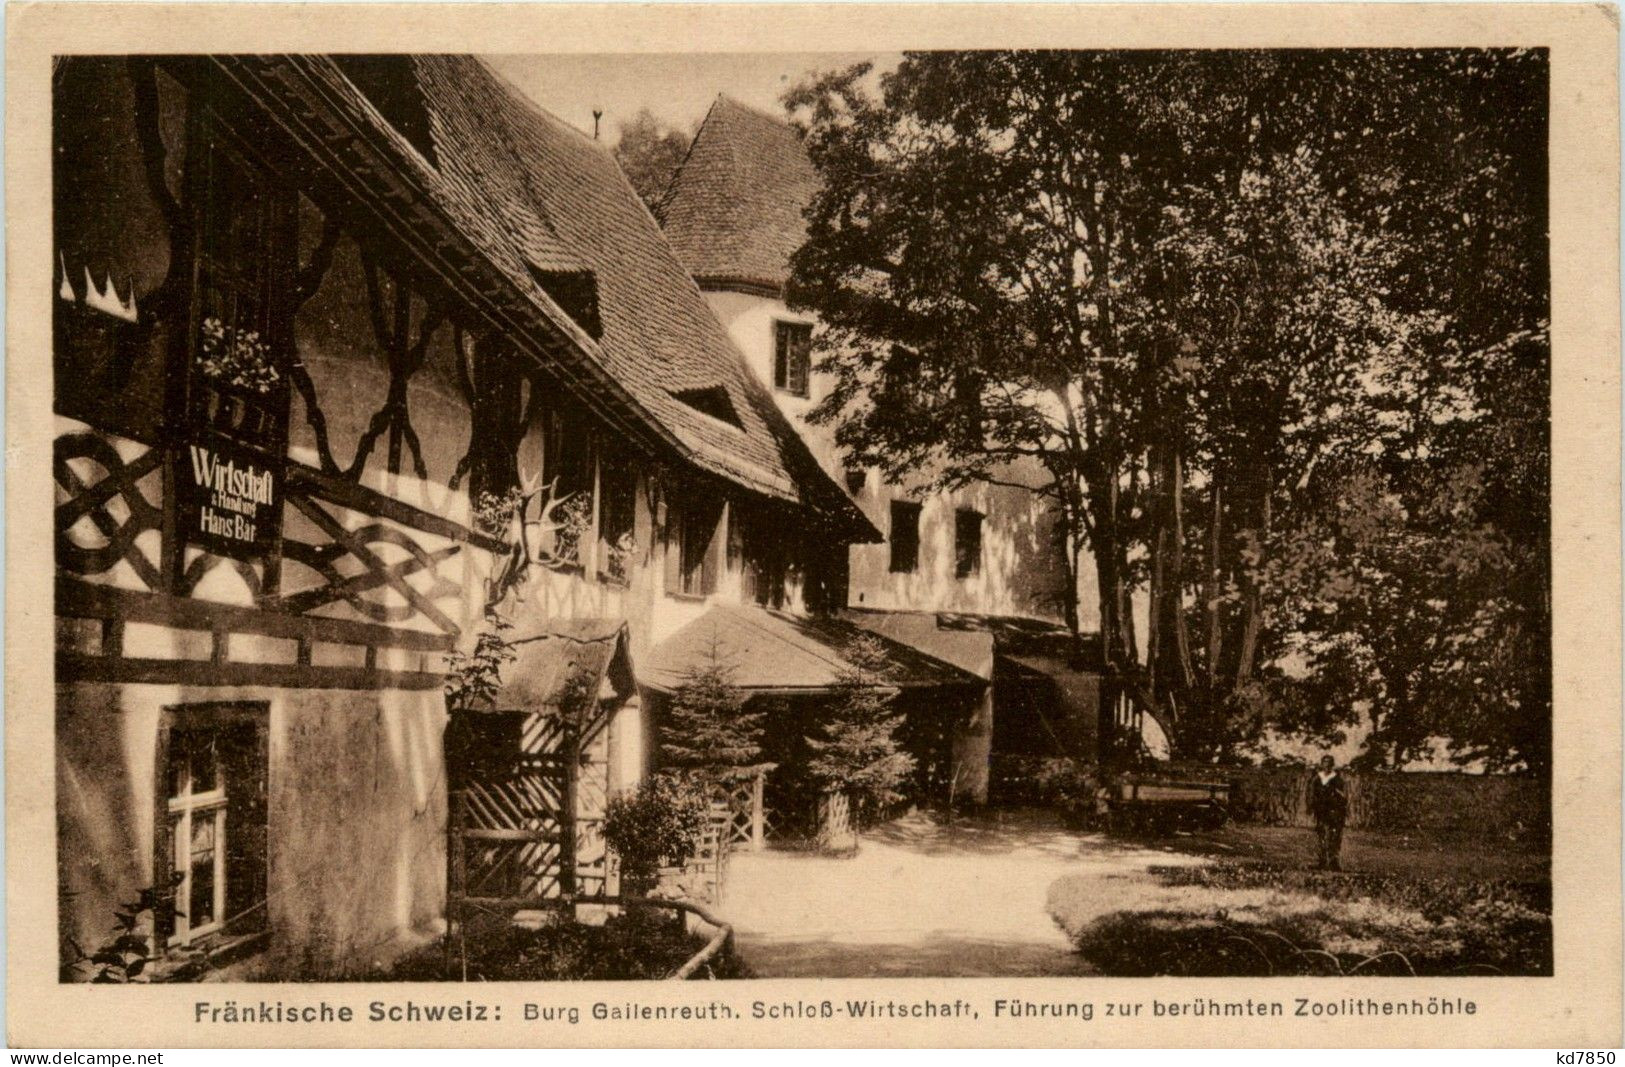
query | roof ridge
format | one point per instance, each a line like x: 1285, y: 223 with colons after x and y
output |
x: 758, y: 112
x: 524, y: 100
x: 676, y: 175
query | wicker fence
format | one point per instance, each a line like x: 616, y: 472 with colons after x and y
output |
x: 1493, y: 805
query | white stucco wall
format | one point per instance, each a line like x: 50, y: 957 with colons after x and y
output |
x: 356, y: 816
x: 1022, y: 572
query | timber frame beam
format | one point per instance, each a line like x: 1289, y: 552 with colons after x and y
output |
x: 114, y: 608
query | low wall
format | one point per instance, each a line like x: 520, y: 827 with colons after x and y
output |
x: 1493, y: 805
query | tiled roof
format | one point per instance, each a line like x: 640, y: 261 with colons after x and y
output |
x: 734, y: 209
x: 536, y: 195
x: 778, y: 651
x: 968, y: 650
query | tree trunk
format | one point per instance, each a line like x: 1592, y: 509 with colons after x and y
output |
x: 1210, y: 593
x: 1155, y: 619
x: 1253, y: 601
x: 1174, y: 578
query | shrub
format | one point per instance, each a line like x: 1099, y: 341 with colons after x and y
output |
x: 623, y: 948
x: 1069, y: 785
x: 658, y: 825
x: 474, y: 678
x: 1509, y: 807
x: 125, y: 956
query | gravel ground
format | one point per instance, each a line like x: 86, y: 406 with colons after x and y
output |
x: 970, y: 899
x: 925, y: 899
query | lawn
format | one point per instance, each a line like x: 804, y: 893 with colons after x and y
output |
x: 1407, y: 905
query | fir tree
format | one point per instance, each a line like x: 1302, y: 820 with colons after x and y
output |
x: 855, y: 750
x: 707, y: 732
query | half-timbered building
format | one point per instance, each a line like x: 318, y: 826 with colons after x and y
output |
x: 348, y: 351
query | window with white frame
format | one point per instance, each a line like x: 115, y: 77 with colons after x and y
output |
x: 197, y: 814
x: 212, y: 834
x: 792, y: 357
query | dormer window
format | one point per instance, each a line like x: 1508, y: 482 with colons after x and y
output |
x: 711, y: 400
x: 576, y: 293
x: 792, y: 357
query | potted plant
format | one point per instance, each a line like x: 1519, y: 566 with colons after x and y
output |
x: 658, y: 825
x: 238, y: 370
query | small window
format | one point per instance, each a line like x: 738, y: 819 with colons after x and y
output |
x: 692, y: 547
x: 765, y: 557
x: 905, y: 536
x: 211, y: 852
x: 567, y: 471
x: 711, y: 400
x: 967, y: 542
x: 617, y: 517
x: 856, y: 479
x: 792, y: 357
x: 576, y: 292
x: 240, y: 337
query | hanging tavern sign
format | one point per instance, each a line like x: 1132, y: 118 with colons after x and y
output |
x: 231, y: 497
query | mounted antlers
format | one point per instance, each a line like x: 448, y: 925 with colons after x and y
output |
x: 550, y: 539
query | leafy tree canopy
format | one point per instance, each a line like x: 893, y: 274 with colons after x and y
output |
x: 1201, y: 291
x: 650, y: 151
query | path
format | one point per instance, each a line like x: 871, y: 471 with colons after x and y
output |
x: 924, y: 899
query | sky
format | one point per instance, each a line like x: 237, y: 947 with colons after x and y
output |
x: 677, y: 87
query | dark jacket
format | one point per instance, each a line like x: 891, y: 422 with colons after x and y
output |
x: 1329, y: 801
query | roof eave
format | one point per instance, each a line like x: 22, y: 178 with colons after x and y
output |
x: 537, y: 326
x: 739, y: 283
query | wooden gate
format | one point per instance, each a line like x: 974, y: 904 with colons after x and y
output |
x: 529, y: 787
x: 527, y: 810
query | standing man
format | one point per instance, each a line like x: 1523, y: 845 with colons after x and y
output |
x: 1329, y: 806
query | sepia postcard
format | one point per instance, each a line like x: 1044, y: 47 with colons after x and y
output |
x: 813, y: 525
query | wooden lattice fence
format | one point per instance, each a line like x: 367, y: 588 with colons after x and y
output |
x: 748, y: 823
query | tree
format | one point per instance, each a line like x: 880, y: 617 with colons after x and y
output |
x: 1417, y: 596
x: 706, y: 732
x: 1185, y: 284
x: 1406, y: 230
x: 650, y: 151
x: 855, y: 754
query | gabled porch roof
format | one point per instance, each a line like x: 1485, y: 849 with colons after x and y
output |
x: 570, y: 653
x: 777, y: 652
